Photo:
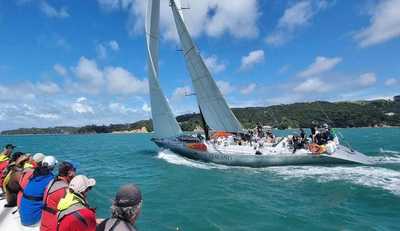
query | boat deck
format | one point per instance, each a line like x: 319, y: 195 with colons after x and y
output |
x: 10, y: 221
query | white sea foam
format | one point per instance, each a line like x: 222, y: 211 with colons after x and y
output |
x: 173, y: 158
x: 386, y: 159
x: 369, y: 176
x: 381, y: 150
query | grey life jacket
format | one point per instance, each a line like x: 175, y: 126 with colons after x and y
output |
x: 113, y: 224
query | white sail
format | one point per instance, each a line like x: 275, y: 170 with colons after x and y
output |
x: 164, y: 122
x: 213, y: 105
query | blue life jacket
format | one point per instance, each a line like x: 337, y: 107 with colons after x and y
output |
x: 32, y: 200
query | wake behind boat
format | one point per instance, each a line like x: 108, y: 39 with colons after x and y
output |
x: 233, y: 149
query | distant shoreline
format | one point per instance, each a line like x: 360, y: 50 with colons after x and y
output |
x: 141, y: 133
x: 357, y: 114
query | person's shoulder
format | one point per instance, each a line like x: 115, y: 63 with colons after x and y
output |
x: 87, y: 212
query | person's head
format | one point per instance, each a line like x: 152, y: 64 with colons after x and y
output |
x: 81, y: 184
x: 21, y: 160
x: 38, y: 158
x: 8, y: 149
x: 15, y: 156
x: 49, y: 162
x: 127, y: 204
x: 67, y: 170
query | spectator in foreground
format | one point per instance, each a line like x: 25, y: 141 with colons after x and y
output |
x: 74, y: 211
x: 124, y: 210
x: 55, y: 191
x: 32, y: 200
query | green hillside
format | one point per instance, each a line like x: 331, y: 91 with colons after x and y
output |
x: 339, y: 114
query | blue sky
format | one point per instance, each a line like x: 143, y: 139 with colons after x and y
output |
x: 71, y: 62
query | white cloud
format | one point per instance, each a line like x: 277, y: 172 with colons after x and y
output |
x: 101, y: 51
x: 52, y: 12
x: 146, y: 108
x: 384, y: 24
x: 88, y: 71
x: 81, y: 106
x: 214, y: 65
x: 103, y: 47
x: 312, y: 85
x: 121, y: 81
x: 49, y: 88
x: 392, y: 82
x: 367, y: 79
x: 181, y: 92
x: 295, y: 17
x: 320, y: 65
x: 63, y: 43
x: 253, y: 58
x: 248, y: 89
x: 114, y: 4
x: 120, y: 108
x: 42, y: 115
x: 113, y: 45
x: 225, y: 87
x: 60, y: 69
x: 210, y: 17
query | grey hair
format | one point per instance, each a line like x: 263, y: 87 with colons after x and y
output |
x: 124, y: 213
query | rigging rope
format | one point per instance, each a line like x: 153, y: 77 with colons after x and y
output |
x: 335, y: 131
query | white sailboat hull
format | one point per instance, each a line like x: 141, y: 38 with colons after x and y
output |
x: 244, y: 156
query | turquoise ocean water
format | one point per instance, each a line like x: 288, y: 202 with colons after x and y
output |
x: 197, y: 196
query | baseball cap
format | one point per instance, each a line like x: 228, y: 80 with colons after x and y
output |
x: 80, y: 183
x: 38, y: 157
x: 128, y: 195
x: 49, y: 161
x: 10, y: 146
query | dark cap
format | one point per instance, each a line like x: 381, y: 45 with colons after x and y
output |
x: 10, y: 146
x: 15, y: 156
x: 65, y: 167
x: 127, y: 196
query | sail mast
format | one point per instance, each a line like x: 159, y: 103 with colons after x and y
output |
x: 164, y: 122
x: 213, y: 106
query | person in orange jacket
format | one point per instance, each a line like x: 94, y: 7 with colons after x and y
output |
x: 74, y: 211
x: 55, y: 191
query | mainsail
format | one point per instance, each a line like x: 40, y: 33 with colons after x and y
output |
x: 213, y: 105
x: 164, y: 122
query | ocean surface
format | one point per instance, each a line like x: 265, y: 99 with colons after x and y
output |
x: 187, y: 195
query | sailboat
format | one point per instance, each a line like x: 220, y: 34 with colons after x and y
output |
x: 217, y: 115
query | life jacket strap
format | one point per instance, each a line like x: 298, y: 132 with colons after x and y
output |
x: 33, y: 198
x: 77, y: 215
x: 50, y: 210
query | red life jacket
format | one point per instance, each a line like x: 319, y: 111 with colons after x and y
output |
x: 56, y: 190
x: 23, y: 181
x: 3, y: 166
x: 76, y: 218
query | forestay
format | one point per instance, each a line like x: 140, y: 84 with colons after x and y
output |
x: 213, y: 106
x: 164, y: 122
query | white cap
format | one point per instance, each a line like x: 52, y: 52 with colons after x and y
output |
x: 49, y: 161
x: 38, y: 157
x: 80, y: 183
